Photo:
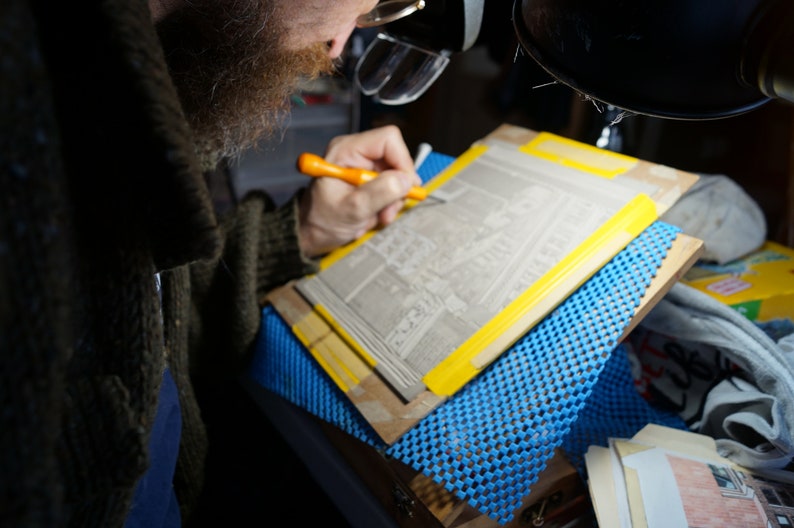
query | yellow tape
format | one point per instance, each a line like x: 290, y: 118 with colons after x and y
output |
x: 570, y: 153
x: 460, y: 163
x: 331, y: 351
x: 328, y: 368
x: 311, y: 328
x: 338, y: 253
x: 342, y: 375
x: 369, y: 360
x: 298, y: 331
x: 349, y: 362
x: 459, y: 367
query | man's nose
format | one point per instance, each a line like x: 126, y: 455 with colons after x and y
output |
x: 337, y: 44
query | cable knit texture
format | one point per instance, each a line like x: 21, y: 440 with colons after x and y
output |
x: 99, y: 190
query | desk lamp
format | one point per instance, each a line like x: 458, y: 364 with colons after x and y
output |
x: 678, y: 59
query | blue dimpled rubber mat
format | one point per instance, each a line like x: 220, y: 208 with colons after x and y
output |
x: 565, y: 384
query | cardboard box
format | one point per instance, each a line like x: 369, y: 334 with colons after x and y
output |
x: 760, y: 285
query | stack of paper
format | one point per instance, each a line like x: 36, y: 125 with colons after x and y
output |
x: 666, y: 478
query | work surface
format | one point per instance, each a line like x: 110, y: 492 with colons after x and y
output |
x: 489, y: 443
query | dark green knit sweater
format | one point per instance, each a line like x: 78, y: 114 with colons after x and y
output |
x: 99, y: 190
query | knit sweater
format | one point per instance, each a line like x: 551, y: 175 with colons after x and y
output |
x: 99, y: 191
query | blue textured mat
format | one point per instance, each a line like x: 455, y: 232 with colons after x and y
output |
x: 565, y: 384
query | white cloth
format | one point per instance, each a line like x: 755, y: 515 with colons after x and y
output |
x: 722, y: 373
x: 748, y: 425
x: 721, y: 214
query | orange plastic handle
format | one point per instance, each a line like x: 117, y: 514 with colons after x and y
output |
x: 313, y: 165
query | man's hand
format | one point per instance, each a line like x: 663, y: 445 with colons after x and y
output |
x: 333, y: 212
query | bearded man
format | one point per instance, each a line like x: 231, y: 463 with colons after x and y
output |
x: 124, y: 294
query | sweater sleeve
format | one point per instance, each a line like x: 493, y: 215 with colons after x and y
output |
x: 260, y: 253
x: 280, y: 259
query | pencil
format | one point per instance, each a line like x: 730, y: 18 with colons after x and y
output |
x: 313, y: 165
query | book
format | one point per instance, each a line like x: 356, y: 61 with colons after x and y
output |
x: 759, y: 285
x: 406, y: 316
x: 664, y: 477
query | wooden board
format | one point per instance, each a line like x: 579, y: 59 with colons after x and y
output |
x: 389, y: 415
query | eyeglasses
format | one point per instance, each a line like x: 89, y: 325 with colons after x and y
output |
x: 391, y: 70
x: 389, y: 11
x: 395, y: 72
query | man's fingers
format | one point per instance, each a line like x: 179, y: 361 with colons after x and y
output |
x: 376, y: 149
x: 389, y: 187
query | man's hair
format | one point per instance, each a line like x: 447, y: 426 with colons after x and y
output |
x: 232, y: 72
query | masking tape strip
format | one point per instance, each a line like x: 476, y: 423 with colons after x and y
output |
x: 463, y: 364
x: 577, y: 155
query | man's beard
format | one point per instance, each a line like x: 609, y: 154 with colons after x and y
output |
x: 232, y: 73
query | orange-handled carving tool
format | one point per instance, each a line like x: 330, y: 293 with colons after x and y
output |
x: 313, y: 165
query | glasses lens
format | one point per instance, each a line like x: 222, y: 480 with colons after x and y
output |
x: 376, y: 65
x: 395, y: 72
x: 389, y: 11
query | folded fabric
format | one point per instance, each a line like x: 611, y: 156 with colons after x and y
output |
x: 786, y: 344
x: 721, y: 214
x: 748, y: 425
x: 688, y: 345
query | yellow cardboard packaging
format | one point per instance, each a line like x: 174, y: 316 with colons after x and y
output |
x: 759, y: 285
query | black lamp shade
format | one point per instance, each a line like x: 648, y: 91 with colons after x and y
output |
x: 680, y: 59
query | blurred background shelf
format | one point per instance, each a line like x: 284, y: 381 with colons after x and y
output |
x: 323, y: 110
